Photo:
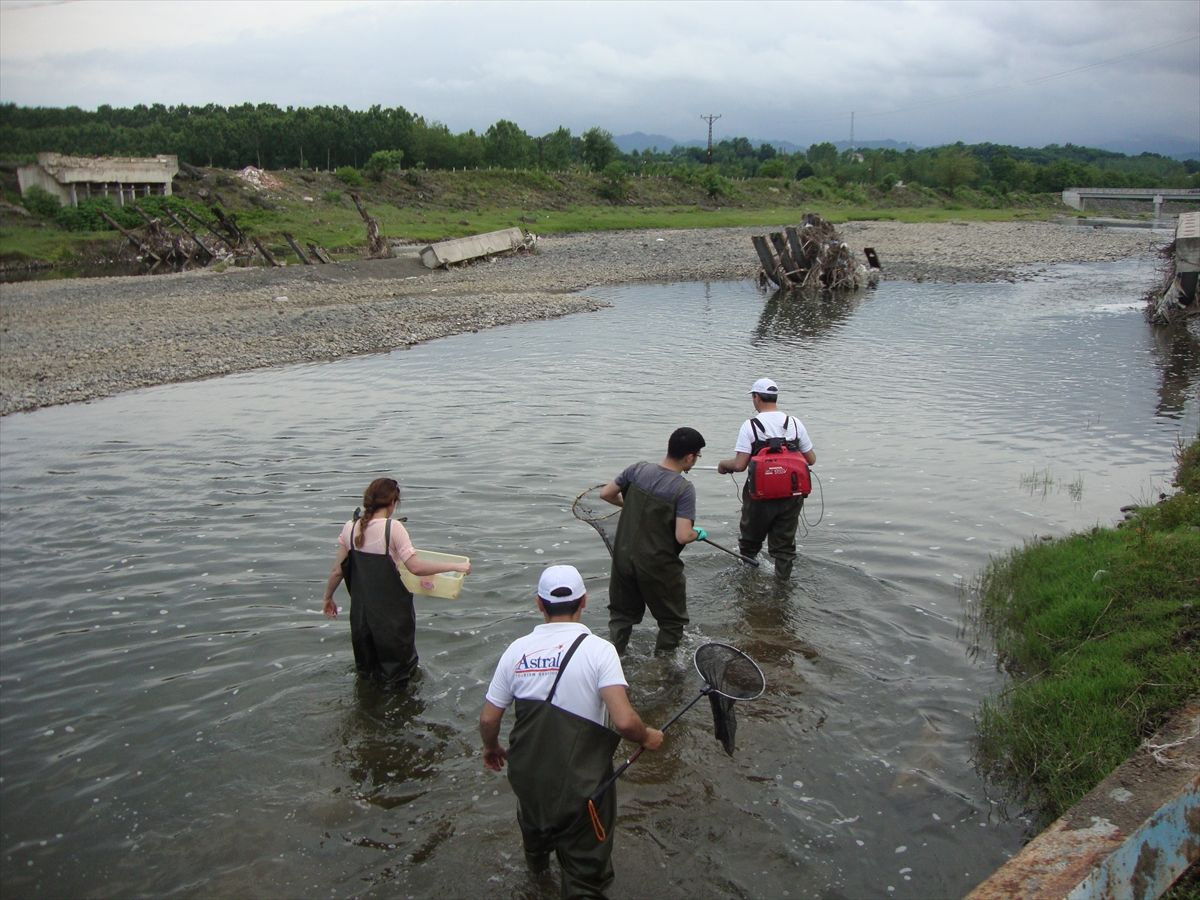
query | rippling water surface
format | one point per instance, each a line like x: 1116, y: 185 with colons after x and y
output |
x: 178, y: 719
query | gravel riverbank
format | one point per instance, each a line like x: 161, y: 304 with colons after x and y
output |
x: 72, y: 340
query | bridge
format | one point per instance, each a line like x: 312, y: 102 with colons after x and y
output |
x: 1169, y: 200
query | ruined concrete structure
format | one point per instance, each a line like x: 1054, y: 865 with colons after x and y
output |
x: 76, y: 178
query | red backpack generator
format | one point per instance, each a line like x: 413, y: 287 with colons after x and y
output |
x: 777, y: 469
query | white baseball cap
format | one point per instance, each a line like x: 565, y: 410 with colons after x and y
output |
x: 764, y: 386
x: 560, y: 584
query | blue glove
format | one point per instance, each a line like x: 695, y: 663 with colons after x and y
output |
x: 701, y: 534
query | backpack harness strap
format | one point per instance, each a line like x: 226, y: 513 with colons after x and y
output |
x: 562, y: 666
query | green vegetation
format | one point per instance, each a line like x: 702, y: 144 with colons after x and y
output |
x: 1101, y: 632
x: 265, y: 136
x: 457, y: 184
x: 422, y: 205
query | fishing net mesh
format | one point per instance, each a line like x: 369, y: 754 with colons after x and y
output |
x: 730, y: 675
x: 588, y: 507
x: 729, y: 671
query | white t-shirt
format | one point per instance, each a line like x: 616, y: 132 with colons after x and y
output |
x: 772, y: 425
x: 530, y: 664
x: 401, y: 548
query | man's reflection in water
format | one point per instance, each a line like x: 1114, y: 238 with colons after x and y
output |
x: 1177, y: 352
x: 790, y: 315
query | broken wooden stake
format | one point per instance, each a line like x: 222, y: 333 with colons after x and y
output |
x: 138, y: 243
x: 377, y: 246
x: 266, y: 254
x: 319, y: 252
x: 199, y: 243
x: 296, y: 247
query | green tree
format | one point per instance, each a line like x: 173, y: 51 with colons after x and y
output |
x: 383, y: 162
x: 614, y: 182
x: 557, y: 150
x: 778, y: 167
x: 598, y: 149
x: 507, y: 146
x: 954, y: 168
x: 1003, y: 170
x: 823, y: 158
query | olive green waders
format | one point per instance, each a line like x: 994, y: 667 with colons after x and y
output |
x: 556, y: 759
x: 647, y: 571
x: 774, y: 521
x: 383, y: 623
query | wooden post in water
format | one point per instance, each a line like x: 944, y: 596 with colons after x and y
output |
x: 769, y: 263
x: 789, y: 265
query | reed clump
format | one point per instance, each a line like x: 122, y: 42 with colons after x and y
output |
x: 1101, y: 634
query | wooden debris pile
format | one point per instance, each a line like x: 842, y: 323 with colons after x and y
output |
x: 813, y: 256
x: 169, y: 243
x: 1177, y: 297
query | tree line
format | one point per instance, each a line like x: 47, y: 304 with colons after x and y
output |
x: 382, y: 138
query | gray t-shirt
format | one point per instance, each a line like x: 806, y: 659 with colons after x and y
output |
x: 659, y: 482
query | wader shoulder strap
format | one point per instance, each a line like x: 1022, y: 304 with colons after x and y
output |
x: 562, y: 666
x: 387, y: 538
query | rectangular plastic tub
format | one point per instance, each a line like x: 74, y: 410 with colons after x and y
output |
x: 446, y: 585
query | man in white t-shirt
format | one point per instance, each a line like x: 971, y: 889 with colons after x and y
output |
x: 774, y: 521
x: 566, y: 684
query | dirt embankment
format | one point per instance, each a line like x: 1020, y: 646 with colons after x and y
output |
x: 66, y: 341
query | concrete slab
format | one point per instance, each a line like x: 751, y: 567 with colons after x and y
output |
x: 461, y: 249
x: 1131, y: 836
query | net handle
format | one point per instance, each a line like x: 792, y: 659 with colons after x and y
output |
x: 749, y: 560
x: 704, y: 692
x: 599, y: 792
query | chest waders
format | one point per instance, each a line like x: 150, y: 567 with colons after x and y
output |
x: 383, y: 623
x: 647, y: 571
x: 556, y: 759
x: 773, y: 521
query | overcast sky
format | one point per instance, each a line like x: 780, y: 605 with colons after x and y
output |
x: 1027, y: 73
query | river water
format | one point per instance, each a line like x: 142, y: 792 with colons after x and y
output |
x: 178, y: 719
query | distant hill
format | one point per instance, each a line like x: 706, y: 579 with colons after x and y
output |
x: 1172, y: 148
x: 638, y: 141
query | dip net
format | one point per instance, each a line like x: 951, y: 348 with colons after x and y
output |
x: 603, y: 516
x: 729, y: 675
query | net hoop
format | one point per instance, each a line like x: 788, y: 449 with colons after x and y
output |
x: 584, y: 513
x: 744, y: 681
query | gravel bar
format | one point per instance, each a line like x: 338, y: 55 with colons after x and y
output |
x: 78, y: 339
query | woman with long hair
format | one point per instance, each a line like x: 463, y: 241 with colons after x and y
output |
x: 383, y: 624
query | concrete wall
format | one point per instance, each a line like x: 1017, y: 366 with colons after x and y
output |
x: 1130, y: 837
x: 76, y: 178
x: 35, y: 176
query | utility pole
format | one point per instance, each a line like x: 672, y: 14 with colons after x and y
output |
x: 711, y: 119
x: 851, y: 132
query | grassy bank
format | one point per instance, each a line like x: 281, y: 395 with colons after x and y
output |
x: 420, y: 207
x: 1101, y: 633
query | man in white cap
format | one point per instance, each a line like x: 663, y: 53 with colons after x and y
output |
x: 774, y: 520
x: 566, y: 682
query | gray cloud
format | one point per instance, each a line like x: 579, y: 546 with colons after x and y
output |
x: 1025, y: 73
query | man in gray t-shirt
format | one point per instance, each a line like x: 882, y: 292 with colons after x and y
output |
x: 658, y: 512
